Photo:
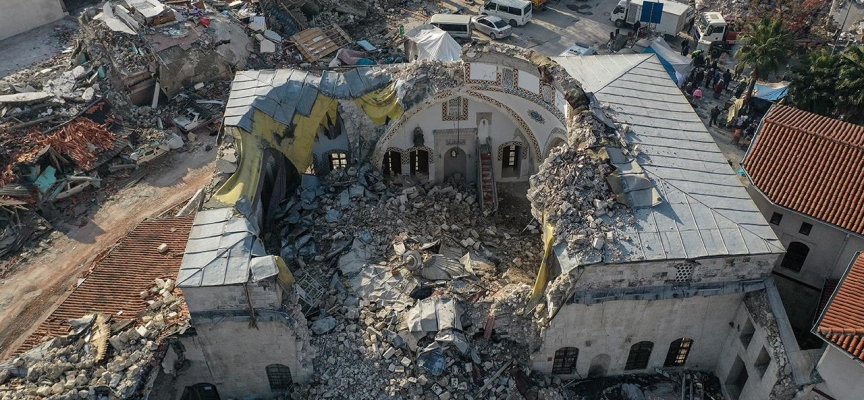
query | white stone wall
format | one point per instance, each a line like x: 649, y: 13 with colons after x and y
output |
x: 844, y: 377
x: 612, y: 327
x: 831, y: 250
x: 266, y: 294
x: 18, y: 16
x: 662, y: 273
x: 231, y: 355
x: 757, y: 387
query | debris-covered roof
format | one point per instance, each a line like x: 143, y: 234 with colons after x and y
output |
x: 842, y: 322
x: 282, y: 93
x: 117, y: 280
x: 704, y: 210
x: 811, y: 164
x: 223, y: 250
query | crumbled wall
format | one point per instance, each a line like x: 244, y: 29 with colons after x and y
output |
x: 759, y: 309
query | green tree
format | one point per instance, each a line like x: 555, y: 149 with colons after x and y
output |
x: 767, y: 46
x: 850, y: 87
x: 814, y: 84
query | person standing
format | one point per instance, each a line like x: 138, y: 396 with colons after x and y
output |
x: 715, y: 112
x: 709, y: 77
x: 685, y: 48
x: 697, y: 96
x: 700, y: 75
x: 718, y: 89
x: 727, y: 77
x: 636, y: 27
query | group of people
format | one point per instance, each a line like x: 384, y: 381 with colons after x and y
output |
x: 711, y: 78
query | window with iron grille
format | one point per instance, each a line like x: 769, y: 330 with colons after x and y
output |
x: 565, y: 361
x: 640, y: 353
x: 678, y: 352
x: 279, y: 376
x: 338, y: 160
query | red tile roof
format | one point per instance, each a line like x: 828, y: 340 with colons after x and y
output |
x: 843, y: 320
x: 811, y: 164
x: 117, y: 279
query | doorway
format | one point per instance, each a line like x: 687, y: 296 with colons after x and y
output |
x: 455, y: 162
x: 599, y: 366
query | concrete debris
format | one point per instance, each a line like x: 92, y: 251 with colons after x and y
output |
x: 71, y: 367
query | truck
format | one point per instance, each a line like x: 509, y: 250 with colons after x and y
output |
x: 675, y: 15
x: 714, y: 34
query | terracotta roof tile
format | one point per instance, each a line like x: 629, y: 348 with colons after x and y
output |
x: 811, y: 164
x: 843, y: 320
x: 116, y: 281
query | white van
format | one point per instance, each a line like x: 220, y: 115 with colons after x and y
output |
x: 458, y: 26
x: 515, y: 12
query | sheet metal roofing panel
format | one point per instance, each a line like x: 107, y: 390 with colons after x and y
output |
x: 219, y: 250
x: 601, y: 70
x: 263, y: 267
x: 705, y: 210
x: 307, y: 98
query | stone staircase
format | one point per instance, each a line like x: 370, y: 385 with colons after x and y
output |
x: 486, y: 189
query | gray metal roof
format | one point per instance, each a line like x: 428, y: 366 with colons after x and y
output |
x: 282, y: 93
x: 223, y: 250
x: 705, y: 211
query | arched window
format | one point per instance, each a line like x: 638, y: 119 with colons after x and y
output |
x: 565, y: 361
x: 279, y: 376
x: 796, y: 253
x: 639, y: 355
x: 392, y: 164
x: 678, y: 352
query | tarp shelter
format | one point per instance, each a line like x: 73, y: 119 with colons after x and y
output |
x: 676, y: 65
x: 771, y: 92
x: 427, y: 42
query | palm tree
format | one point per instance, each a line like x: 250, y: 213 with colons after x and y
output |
x: 767, y: 47
x: 814, y: 85
x: 850, y: 86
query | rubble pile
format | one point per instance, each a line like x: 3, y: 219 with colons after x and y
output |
x: 409, y: 275
x: 570, y: 187
x: 102, y: 357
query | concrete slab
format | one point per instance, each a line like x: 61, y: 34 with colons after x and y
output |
x: 267, y: 46
x: 34, y: 46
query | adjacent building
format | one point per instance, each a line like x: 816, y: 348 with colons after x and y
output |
x: 841, y: 326
x: 806, y: 172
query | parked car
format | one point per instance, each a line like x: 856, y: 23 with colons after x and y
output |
x: 493, y: 26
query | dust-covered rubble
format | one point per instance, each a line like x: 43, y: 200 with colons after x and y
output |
x: 102, y: 357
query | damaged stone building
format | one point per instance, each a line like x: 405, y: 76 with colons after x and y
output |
x: 475, y: 229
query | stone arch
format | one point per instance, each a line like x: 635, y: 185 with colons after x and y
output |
x: 557, y: 138
x: 427, y: 149
x: 445, y: 95
x: 512, y: 143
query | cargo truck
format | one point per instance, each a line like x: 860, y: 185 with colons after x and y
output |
x: 676, y: 16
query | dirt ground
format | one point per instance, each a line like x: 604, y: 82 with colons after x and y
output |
x: 32, y: 290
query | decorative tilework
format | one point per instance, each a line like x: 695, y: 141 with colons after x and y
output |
x: 527, y: 96
x: 403, y: 155
x: 449, y: 105
x: 535, y: 146
x: 510, y: 79
x: 426, y: 148
x: 513, y: 143
x: 536, y: 116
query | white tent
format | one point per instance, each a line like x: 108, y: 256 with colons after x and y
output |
x: 670, y: 59
x: 427, y: 42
